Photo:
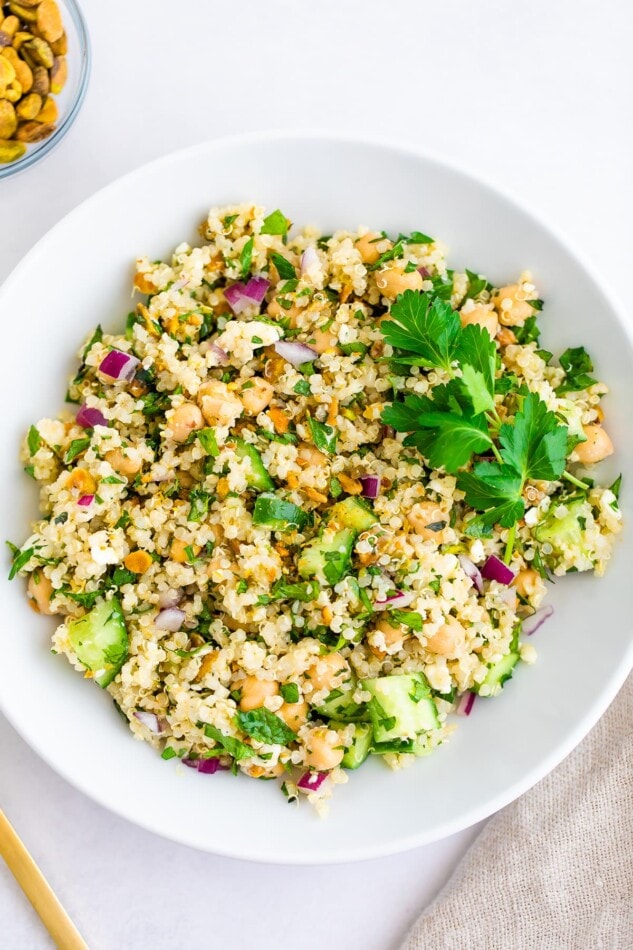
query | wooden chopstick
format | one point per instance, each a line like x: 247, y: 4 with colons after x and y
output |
x: 37, y: 889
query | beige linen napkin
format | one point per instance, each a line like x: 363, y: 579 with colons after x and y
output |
x: 555, y: 868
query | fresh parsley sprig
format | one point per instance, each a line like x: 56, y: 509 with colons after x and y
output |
x: 459, y: 420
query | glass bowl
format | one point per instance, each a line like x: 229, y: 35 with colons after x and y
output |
x: 72, y: 95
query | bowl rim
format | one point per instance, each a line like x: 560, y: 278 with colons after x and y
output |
x: 31, y: 158
x: 594, y: 709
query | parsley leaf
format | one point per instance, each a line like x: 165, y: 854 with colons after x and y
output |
x: 446, y: 433
x: 284, y: 268
x: 478, y: 355
x: 536, y: 445
x: 275, y: 223
x: 476, y: 283
x: 20, y: 560
x: 324, y: 436
x: 425, y: 326
x: 264, y: 726
x: 578, y: 366
x: 199, y: 500
x: 246, y: 256
x: 529, y: 332
x: 208, y: 441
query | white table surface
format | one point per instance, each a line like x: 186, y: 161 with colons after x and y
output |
x: 534, y: 96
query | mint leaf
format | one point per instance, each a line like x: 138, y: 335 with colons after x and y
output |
x: 409, y: 618
x: 236, y: 748
x: 76, y: 447
x: 246, y: 257
x: 536, y: 444
x: 275, y: 223
x: 34, y: 440
x: 264, y: 726
x: 199, y: 500
x: 425, y: 326
x: 284, y: 268
x: 578, y: 366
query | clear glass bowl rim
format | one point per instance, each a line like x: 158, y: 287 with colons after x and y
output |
x: 85, y: 63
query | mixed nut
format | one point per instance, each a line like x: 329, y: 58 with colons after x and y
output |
x: 33, y: 69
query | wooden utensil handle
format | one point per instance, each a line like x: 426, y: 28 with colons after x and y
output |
x: 37, y: 889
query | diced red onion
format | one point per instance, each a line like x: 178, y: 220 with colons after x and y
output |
x: 180, y: 283
x: 221, y: 355
x: 241, y: 296
x: 311, y: 781
x: 465, y: 704
x: 308, y: 259
x: 472, y: 571
x: 119, y: 366
x: 371, y: 486
x: 205, y: 766
x: 170, y: 598
x: 423, y: 272
x: 171, y: 619
x: 86, y: 500
x: 150, y: 720
x: 495, y: 570
x: 396, y: 602
x: 295, y: 353
x: 89, y: 417
x: 532, y: 623
x: 256, y: 289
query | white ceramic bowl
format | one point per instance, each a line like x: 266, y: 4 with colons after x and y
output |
x: 79, y: 274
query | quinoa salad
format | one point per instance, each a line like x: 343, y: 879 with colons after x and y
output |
x: 304, y: 505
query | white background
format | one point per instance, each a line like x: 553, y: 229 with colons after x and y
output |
x: 534, y: 96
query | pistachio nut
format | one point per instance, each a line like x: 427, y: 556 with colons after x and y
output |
x: 11, y: 151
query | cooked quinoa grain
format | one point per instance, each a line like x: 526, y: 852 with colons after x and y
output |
x: 308, y: 500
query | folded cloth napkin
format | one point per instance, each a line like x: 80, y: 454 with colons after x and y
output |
x: 555, y: 868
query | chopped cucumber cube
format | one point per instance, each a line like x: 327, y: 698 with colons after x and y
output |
x: 100, y: 640
x: 258, y: 478
x: 401, y: 707
x: 327, y: 558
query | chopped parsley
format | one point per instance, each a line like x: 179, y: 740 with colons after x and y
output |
x: 275, y: 223
x: 284, y: 268
x: 324, y: 436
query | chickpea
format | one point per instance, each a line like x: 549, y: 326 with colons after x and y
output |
x: 178, y: 550
x: 308, y: 456
x: 276, y: 311
x: 322, y: 340
x: 124, y: 462
x: 39, y: 590
x: 185, y: 420
x: 219, y: 405
x: 597, y: 447
x: 255, y: 395
x: 482, y: 316
x: 528, y: 583
x: 425, y: 514
x: 328, y: 672
x: 255, y: 691
x: 393, y: 281
x: 512, y: 305
x: 370, y: 247
x: 505, y: 337
x: 393, y: 636
x: 294, y: 714
x: 322, y: 752
x: 448, y: 640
